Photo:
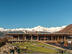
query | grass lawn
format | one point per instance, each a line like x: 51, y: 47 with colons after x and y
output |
x: 35, y: 46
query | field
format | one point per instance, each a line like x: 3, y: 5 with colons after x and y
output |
x: 33, y: 46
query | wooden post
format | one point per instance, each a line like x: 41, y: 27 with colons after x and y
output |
x: 55, y: 38
x: 25, y: 37
x: 37, y: 38
x: 12, y: 38
x: 31, y: 37
x: 44, y: 38
x: 18, y: 36
x: 64, y: 38
x: 51, y: 37
x: 58, y: 38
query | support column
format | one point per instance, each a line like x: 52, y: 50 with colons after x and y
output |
x: 55, y: 38
x: 31, y: 37
x: 18, y: 37
x: 37, y: 38
x: 51, y: 37
x: 64, y: 38
x: 44, y: 38
x: 12, y: 38
x: 58, y: 38
x: 25, y: 37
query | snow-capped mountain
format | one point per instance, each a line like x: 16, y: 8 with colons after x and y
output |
x: 45, y: 29
x: 39, y: 28
x: 35, y: 29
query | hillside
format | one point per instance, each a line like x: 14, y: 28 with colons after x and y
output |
x: 67, y: 29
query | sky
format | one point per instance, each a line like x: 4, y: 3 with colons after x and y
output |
x: 31, y: 13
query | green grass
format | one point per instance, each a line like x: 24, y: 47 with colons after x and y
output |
x: 36, y: 47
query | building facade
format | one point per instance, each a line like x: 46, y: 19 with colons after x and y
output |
x: 51, y: 37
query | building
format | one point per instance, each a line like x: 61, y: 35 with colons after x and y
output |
x: 50, y: 37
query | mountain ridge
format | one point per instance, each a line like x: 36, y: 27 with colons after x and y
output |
x: 37, y: 28
x: 67, y: 29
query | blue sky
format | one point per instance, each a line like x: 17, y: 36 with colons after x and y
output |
x: 31, y: 13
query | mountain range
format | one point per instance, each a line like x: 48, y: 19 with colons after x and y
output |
x: 35, y: 29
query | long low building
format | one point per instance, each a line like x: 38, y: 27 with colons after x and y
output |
x: 46, y: 37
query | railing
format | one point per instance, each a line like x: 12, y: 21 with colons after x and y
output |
x: 15, y: 40
x: 39, y: 33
